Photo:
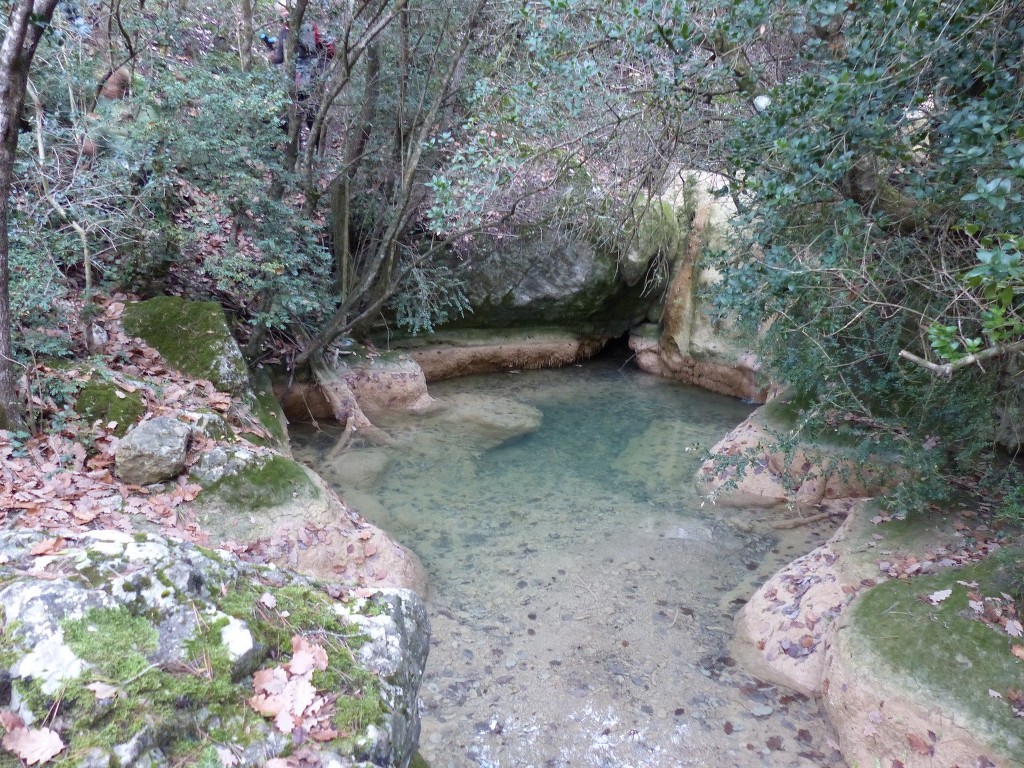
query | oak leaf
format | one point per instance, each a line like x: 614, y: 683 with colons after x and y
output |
x: 33, y: 745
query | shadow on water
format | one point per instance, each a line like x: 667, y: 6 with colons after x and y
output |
x: 582, y: 597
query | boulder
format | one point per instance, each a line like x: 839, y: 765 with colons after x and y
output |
x: 153, y: 451
x: 136, y: 650
x: 193, y: 337
x: 550, y: 274
x: 271, y: 501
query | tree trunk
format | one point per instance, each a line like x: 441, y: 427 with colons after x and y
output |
x: 28, y: 22
x: 245, y: 35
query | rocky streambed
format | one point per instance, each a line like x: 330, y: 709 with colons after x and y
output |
x: 582, y: 601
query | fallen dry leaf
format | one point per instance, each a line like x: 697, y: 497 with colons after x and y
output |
x: 1018, y: 651
x: 103, y: 690
x: 47, y: 547
x: 227, y: 757
x: 33, y: 745
x: 919, y: 744
x: 937, y: 597
x: 11, y: 721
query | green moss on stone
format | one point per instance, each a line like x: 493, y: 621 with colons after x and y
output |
x: 418, y: 761
x: 306, y: 607
x: 950, y: 659
x: 105, y: 401
x: 114, y: 640
x: 118, y: 644
x: 266, y: 483
x: 267, y: 409
x: 192, y: 336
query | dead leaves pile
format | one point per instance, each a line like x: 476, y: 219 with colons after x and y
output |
x: 286, y: 694
x: 65, y: 480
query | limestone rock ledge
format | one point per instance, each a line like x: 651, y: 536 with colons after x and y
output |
x: 136, y: 650
x: 451, y: 354
x: 905, y: 681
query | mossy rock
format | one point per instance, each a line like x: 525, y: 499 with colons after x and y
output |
x: 193, y: 337
x: 267, y: 410
x: 268, y: 482
x: 148, y: 617
x: 105, y: 401
x: 939, y: 654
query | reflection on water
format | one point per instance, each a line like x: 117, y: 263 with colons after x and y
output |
x: 582, y: 598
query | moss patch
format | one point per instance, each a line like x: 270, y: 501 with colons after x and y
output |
x: 359, y: 702
x: 105, y: 401
x: 267, y: 409
x: 192, y: 336
x: 939, y: 649
x: 265, y: 484
x: 191, y: 705
x: 117, y: 644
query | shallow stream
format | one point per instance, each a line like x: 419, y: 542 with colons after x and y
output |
x: 581, y: 596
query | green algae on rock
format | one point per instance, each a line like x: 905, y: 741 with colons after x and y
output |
x: 192, y: 336
x: 105, y: 401
x: 943, y: 676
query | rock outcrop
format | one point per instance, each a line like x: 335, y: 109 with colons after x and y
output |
x: 252, y: 493
x: 136, y: 650
x: 761, y: 463
x: 687, y: 342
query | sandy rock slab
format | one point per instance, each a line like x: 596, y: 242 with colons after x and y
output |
x: 784, y: 630
x: 448, y: 360
x: 748, y: 468
x: 292, y: 518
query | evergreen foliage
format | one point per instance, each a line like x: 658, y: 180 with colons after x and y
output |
x: 882, y: 233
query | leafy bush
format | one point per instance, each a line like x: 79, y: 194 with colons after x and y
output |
x: 880, y: 190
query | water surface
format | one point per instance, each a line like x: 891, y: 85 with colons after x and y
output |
x: 582, y: 597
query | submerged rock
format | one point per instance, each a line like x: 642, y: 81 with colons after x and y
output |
x: 137, y: 650
x: 489, y: 421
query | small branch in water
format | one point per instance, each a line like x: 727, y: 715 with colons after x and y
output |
x: 798, y: 521
x: 581, y: 581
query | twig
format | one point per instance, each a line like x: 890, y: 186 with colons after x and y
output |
x: 946, y: 370
x: 581, y: 581
x: 797, y: 522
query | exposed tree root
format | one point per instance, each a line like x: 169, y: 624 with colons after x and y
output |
x: 345, y: 406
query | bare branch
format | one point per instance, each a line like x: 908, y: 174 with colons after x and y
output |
x: 946, y: 370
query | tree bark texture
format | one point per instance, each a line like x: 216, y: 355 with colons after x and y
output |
x: 27, y: 24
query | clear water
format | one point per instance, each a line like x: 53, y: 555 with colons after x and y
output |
x: 582, y: 598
